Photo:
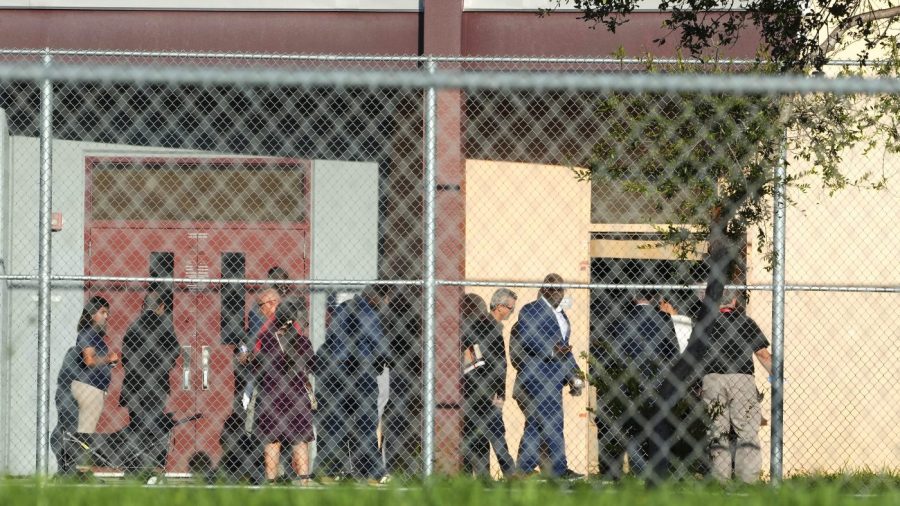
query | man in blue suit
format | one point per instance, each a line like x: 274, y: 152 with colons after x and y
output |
x: 545, y: 364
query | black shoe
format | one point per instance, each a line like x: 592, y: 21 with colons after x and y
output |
x: 571, y: 475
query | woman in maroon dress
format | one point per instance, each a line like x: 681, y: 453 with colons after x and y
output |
x: 283, y: 358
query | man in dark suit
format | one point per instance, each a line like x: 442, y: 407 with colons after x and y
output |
x: 347, y: 364
x: 636, y: 348
x: 545, y: 364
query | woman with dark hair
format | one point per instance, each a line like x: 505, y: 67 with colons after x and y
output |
x: 92, y: 376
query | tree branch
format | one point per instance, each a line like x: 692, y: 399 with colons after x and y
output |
x: 867, y: 17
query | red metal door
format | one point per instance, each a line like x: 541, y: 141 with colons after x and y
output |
x: 261, y: 248
x: 202, y: 380
x: 193, y: 213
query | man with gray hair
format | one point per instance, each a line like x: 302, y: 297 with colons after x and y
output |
x: 484, y: 384
x: 729, y: 389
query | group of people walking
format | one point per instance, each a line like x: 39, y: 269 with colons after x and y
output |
x: 629, y: 360
x: 542, y: 355
x: 276, y: 367
x: 149, y: 351
x: 274, y: 392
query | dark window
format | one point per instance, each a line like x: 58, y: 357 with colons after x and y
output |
x: 232, y: 298
x: 162, y: 265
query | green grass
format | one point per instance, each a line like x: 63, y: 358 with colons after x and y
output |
x: 440, y: 493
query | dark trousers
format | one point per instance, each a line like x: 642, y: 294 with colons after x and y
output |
x: 331, y: 439
x: 348, y: 428
x: 401, y: 433
x: 483, y: 427
x: 66, y: 422
x: 148, y: 435
x: 617, y: 436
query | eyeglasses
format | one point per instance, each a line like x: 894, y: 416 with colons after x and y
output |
x: 267, y: 302
x: 511, y: 308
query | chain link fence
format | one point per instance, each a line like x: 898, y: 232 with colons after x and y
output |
x: 252, y: 267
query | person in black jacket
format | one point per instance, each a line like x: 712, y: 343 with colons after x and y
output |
x: 356, y: 350
x: 628, y: 364
x: 149, y: 351
x: 401, y: 438
x: 484, y: 382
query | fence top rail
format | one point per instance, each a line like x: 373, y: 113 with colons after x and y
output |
x: 231, y: 281
x: 539, y: 81
x: 609, y: 60
x: 443, y: 282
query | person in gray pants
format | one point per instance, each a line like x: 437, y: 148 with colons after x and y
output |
x: 729, y: 390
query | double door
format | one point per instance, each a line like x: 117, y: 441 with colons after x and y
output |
x: 209, y: 316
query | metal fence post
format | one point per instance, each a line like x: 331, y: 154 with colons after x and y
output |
x: 43, y: 383
x: 430, y: 181
x: 778, y: 290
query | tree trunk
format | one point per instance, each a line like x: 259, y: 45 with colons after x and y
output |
x: 723, y: 253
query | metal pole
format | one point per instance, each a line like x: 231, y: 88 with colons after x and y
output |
x: 430, y: 181
x: 778, y: 291
x: 43, y: 338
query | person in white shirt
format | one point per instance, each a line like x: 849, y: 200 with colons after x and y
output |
x: 683, y: 323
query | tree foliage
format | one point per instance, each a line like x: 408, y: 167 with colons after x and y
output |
x: 709, y: 160
x: 795, y: 34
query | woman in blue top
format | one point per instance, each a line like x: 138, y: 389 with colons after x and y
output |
x: 91, y: 378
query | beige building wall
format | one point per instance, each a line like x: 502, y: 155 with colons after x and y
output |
x: 842, y: 357
x: 842, y: 407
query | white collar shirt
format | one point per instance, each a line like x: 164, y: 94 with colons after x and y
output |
x: 560, y: 319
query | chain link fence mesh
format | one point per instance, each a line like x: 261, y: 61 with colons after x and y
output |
x: 261, y: 252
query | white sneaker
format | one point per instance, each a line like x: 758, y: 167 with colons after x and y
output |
x: 384, y: 480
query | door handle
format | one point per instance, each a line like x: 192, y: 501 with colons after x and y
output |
x: 204, y: 363
x: 185, y: 367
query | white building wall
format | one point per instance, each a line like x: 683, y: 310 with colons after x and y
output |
x: 20, y: 240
